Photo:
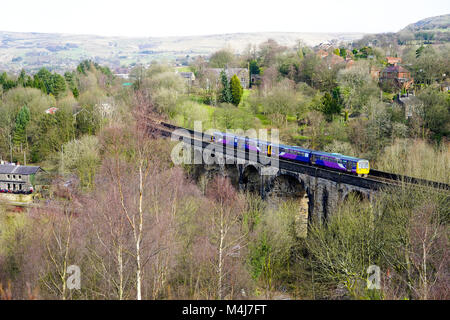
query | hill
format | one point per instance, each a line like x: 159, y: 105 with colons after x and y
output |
x: 438, y: 23
x: 60, y: 52
x: 433, y: 30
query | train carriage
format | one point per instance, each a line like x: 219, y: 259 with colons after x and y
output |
x: 334, y: 161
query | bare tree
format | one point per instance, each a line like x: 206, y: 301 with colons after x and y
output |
x: 226, y: 231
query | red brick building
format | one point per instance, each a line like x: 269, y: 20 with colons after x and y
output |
x: 393, y: 60
x: 396, y: 76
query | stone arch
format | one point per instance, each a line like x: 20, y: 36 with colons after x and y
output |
x: 251, y: 179
x: 286, y: 186
x: 232, y: 172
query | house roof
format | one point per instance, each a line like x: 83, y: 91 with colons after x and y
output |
x: 395, y: 69
x: 334, y: 59
x: 18, y: 169
x: 322, y: 53
x: 51, y: 110
x: 187, y: 75
x: 393, y: 59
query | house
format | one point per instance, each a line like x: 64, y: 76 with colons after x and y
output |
x: 322, y: 53
x: 188, y: 76
x: 125, y: 76
x: 333, y: 60
x: 15, y: 178
x: 255, y: 79
x: 241, y: 73
x: 396, y: 76
x: 123, y: 73
x: 410, y: 104
x: 445, y: 86
x: 393, y: 61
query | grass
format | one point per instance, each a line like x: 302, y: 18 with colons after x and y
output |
x: 416, y: 158
x: 184, y: 69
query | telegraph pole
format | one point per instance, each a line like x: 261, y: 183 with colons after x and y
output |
x: 10, y: 148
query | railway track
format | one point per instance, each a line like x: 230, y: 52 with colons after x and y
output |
x: 375, y: 177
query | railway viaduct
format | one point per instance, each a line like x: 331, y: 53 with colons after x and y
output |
x: 318, y: 190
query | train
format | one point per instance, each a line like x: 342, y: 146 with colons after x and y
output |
x: 335, y: 161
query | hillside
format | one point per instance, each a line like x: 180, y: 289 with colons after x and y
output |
x: 61, y: 52
x: 433, y: 30
x: 438, y: 23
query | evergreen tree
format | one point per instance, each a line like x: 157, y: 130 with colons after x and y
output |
x: 21, y: 79
x: 22, y: 119
x: 225, y: 96
x: 58, y: 84
x: 236, y: 90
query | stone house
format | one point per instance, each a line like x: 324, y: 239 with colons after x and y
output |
x: 188, y: 76
x: 15, y: 178
x: 410, y: 104
x: 255, y: 79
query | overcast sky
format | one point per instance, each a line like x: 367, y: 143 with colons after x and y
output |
x: 200, y: 17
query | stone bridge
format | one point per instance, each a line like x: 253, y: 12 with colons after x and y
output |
x: 318, y: 194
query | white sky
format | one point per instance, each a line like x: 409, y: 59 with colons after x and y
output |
x: 200, y: 17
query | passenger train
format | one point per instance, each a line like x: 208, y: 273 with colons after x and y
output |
x: 335, y: 161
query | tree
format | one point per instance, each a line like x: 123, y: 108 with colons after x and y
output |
x: 332, y: 104
x: 81, y: 156
x: 221, y: 59
x: 58, y: 85
x: 356, y: 86
x: 225, y: 95
x: 22, y: 119
x: 226, y: 235
x: 236, y: 90
x: 254, y: 68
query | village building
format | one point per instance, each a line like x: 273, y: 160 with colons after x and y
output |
x: 255, y: 79
x: 396, y: 76
x: 409, y: 103
x: 322, y: 53
x: 15, y: 178
x: 445, y: 86
x: 51, y: 110
x: 188, y: 76
x: 393, y: 61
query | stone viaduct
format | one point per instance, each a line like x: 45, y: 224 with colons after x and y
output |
x: 318, y: 190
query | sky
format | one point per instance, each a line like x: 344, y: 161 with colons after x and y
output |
x: 149, y: 18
